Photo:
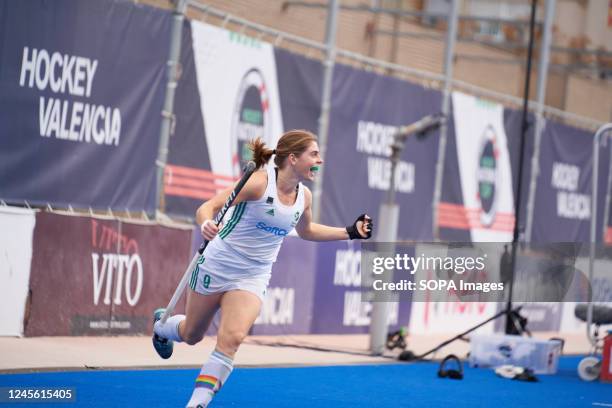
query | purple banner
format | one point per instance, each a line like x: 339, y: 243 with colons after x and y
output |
x: 563, y: 195
x: 300, y: 85
x: 366, y: 110
x: 82, y: 90
x: 338, y: 307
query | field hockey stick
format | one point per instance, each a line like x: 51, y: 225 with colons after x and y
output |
x: 249, y: 169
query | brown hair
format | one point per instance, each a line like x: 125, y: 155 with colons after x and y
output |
x: 293, y: 141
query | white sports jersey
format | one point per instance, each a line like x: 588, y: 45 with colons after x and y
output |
x: 254, y: 233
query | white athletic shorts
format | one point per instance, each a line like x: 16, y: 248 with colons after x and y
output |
x: 222, y: 269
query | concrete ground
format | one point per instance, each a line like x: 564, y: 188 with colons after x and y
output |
x: 53, y: 353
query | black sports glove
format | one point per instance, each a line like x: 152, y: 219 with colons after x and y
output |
x: 368, y: 225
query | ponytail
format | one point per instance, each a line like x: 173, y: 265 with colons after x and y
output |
x: 261, y: 154
x: 292, y: 142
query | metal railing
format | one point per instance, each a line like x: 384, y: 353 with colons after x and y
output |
x: 425, y: 78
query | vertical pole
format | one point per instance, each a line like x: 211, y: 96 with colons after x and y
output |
x: 451, y: 38
x: 549, y: 17
x: 168, y: 109
x: 517, y: 203
x: 606, y: 219
x: 387, y: 233
x: 594, y: 184
x: 594, y: 179
x: 330, y: 41
x: 375, y: 21
x: 395, y: 37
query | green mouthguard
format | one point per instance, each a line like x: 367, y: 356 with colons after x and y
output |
x: 314, y: 168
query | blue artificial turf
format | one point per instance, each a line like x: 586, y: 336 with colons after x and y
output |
x: 392, y: 385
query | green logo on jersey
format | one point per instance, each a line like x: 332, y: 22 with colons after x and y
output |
x: 296, y: 217
x: 270, y: 212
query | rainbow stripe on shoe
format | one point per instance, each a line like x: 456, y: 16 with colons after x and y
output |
x: 206, y: 381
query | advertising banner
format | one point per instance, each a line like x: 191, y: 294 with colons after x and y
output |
x: 93, y: 276
x: 448, y: 309
x: 450, y: 317
x: 80, y: 102
x: 366, y: 111
x: 300, y: 84
x: 236, y: 78
x: 608, y: 231
x: 338, y: 306
x: 16, y: 230
x: 452, y: 218
x: 485, y: 172
x: 562, y: 209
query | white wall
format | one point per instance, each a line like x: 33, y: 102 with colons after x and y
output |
x: 16, y: 235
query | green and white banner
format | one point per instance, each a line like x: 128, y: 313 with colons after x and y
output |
x: 484, y: 168
x: 238, y: 87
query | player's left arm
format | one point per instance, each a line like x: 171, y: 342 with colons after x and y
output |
x: 308, y: 230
